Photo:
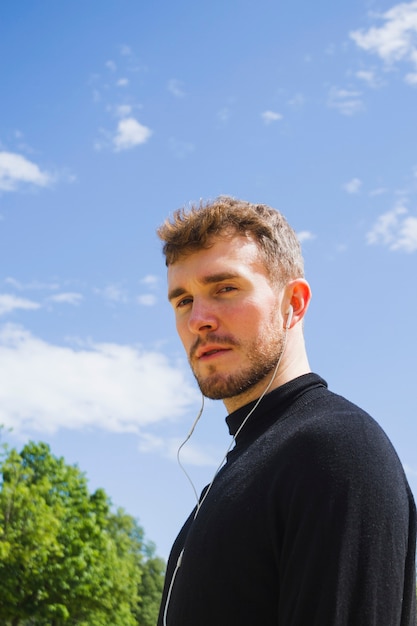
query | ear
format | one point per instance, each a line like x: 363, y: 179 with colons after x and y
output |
x: 297, y: 294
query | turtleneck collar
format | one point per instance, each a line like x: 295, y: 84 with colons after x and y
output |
x: 275, y: 401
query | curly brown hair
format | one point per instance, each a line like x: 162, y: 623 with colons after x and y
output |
x: 196, y: 228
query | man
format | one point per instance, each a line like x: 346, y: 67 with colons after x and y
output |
x: 311, y: 521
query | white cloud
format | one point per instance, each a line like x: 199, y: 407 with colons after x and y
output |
x: 298, y: 100
x: 67, y: 298
x: 113, y: 293
x: 271, y: 116
x: 130, y: 133
x: 346, y: 101
x: 369, y: 77
x: 353, y: 186
x: 125, y: 50
x: 410, y: 471
x: 379, y: 191
x: 118, y: 388
x: 396, y: 40
x: 305, y: 235
x: 111, y: 65
x: 123, y: 82
x: 16, y: 170
x: 150, y: 279
x: 123, y: 110
x: 395, y: 229
x: 9, y: 303
x: 411, y: 78
x: 176, y: 88
x: 34, y: 285
x: 147, y: 299
x: 224, y: 115
x: 191, y: 454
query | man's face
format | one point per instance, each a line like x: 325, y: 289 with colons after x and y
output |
x: 228, y: 317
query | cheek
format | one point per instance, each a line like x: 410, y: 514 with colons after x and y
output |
x: 262, y: 321
x: 256, y: 315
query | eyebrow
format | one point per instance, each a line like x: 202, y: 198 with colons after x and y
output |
x: 206, y: 280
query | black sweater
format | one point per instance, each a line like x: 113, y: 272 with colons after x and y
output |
x: 311, y: 522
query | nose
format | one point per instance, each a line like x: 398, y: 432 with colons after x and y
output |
x: 202, y: 318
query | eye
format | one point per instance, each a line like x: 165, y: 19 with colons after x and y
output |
x: 182, y: 303
x: 227, y: 289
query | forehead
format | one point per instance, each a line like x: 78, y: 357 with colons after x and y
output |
x: 233, y: 256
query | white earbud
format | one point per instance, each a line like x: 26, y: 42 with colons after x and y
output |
x: 289, y: 317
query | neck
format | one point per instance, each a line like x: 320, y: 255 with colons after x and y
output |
x: 294, y: 363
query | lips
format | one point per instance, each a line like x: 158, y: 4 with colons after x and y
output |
x: 207, y: 347
x: 209, y: 351
x: 212, y: 352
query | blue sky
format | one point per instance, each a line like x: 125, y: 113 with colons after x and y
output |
x: 114, y: 114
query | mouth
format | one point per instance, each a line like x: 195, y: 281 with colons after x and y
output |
x: 210, y: 352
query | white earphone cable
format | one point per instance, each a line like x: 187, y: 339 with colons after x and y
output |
x: 200, y: 502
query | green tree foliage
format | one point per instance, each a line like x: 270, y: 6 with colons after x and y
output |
x: 65, y: 557
x: 150, y: 591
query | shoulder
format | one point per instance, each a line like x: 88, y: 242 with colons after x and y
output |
x: 331, y: 446
x: 330, y: 423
